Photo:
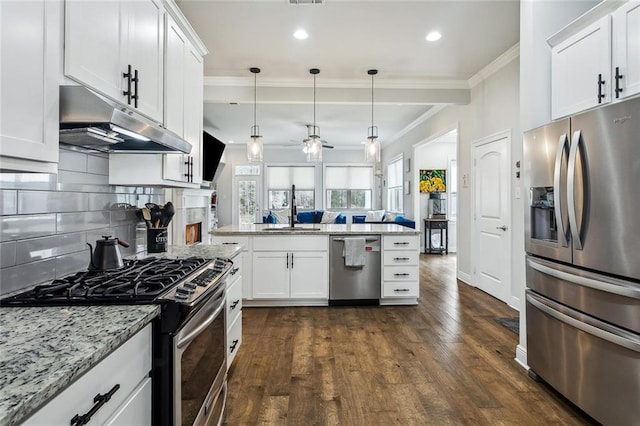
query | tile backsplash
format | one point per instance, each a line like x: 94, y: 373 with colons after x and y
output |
x: 47, y: 219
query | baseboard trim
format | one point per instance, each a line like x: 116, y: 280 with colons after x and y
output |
x: 465, y: 278
x: 521, y: 356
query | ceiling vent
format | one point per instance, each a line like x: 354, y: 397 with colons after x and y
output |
x: 306, y: 1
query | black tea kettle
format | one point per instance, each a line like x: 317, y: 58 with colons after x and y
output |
x: 106, y: 256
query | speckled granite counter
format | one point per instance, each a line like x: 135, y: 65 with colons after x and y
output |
x: 43, y: 350
x: 199, y: 250
x: 321, y: 229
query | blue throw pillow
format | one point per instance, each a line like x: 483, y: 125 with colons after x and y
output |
x: 307, y: 217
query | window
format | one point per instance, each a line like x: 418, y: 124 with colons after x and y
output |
x: 394, y: 185
x: 348, y: 187
x: 279, y: 181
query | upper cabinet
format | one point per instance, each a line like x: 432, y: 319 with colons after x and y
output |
x: 117, y: 48
x: 30, y: 56
x: 596, y: 59
x: 626, y: 50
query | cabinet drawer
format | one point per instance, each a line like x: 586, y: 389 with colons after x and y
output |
x: 236, y: 270
x: 127, y: 366
x: 234, y: 339
x: 437, y: 224
x: 400, y: 289
x: 394, y: 258
x: 401, y: 273
x: 241, y: 240
x: 234, y: 300
x: 136, y: 410
x: 400, y: 242
x: 291, y: 243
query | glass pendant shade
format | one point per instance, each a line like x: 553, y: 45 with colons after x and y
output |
x: 254, y: 146
x: 372, y: 150
x: 314, y: 149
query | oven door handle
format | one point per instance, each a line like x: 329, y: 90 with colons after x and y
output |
x: 204, y: 323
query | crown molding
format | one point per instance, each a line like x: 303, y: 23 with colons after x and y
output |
x: 502, y: 60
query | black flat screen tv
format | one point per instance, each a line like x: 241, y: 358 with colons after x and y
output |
x: 212, y: 150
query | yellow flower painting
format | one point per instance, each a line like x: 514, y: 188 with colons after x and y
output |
x: 433, y: 180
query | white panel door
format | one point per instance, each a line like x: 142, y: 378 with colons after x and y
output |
x: 309, y: 275
x: 491, y: 211
x: 271, y: 275
x: 626, y: 53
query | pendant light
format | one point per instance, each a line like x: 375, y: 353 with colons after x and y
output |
x: 254, y: 146
x: 314, y: 144
x: 372, y: 145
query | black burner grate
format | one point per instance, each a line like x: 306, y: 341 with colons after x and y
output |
x: 138, y: 282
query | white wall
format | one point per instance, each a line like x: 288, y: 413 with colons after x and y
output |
x: 238, y: 155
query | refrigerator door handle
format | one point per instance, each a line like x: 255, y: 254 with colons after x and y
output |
x: 587, y: 328
x: 571, y: 187
x: 563, y: 143
x: 593, y: 283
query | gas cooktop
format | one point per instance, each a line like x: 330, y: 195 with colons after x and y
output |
x: 140, y: 281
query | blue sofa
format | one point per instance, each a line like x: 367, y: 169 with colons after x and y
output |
x: 311, y: 216
x: 400, y: 220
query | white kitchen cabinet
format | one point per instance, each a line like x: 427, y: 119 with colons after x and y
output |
x: 124, y: 374
x: 581, y: 70
x: 290, y: 267
x: 245, y: 256
x: 626, y: 51
x: 30, y: 54
x: 400, y: 267
x: 234, y: 310
x: 105, y: 40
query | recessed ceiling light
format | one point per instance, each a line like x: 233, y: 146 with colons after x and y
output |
x: 300, y: 34
x: 231, y: 142
x: 433, y: 36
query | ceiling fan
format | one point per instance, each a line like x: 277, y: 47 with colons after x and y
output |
x: 314, y: 131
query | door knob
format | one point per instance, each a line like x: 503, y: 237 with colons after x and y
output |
x: 503, y: 227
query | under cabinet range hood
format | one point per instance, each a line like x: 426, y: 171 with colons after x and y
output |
x: 94, y: 122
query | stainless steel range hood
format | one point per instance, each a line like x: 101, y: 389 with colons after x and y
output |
x: 92, y: 121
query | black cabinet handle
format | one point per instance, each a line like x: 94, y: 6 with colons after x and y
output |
x: 234, y: 345
x: 230, y: 244
x: 127, y: 92
x: 291, y: 260
x: 400, y: 289
x: 235, y: 303
x: 400, y: 258
x: 234, y: 271
x: 287, y: 260
x: 403, y: 243
x: 186, y: 175
x: 99, y: 401
x: 618, y: 78
x: 135, y: 96
x: 401, y: 275
x: 191, y: 169
x: 600, y: 84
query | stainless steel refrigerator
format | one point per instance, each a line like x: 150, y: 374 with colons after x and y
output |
x: 582, y: 238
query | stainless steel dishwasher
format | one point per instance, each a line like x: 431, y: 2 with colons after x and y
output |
x: 350, y: 285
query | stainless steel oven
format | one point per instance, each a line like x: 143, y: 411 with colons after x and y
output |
x: 199, y: 365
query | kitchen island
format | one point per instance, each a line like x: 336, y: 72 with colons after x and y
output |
x: 285, y: 267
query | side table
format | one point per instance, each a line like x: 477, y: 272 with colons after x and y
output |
x: 436, y: 224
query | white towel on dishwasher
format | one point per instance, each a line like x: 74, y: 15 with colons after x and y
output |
x: 354, y: 251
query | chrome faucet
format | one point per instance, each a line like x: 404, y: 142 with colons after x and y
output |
x: 292, y: 219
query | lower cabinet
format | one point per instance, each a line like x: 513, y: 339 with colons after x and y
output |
x: 234, y: 311
x: 123, y: 376
x: 295, y: 267
x: 400, y: 269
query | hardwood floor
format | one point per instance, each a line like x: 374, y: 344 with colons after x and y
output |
x: 445, y: 361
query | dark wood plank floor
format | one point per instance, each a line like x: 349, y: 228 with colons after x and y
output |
x: 445, y: 361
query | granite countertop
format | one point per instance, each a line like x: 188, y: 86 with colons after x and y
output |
x: 45, y: 349
x: 198, y: 250
x: 324, y: 229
